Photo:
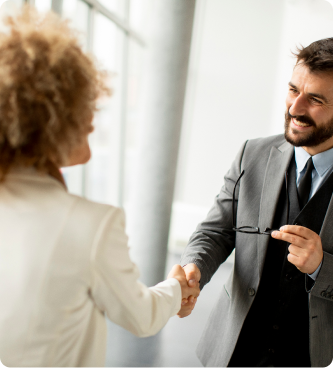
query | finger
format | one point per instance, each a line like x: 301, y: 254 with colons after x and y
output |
x: 187, y: 308
x: 293, y: 259
x: 194, y: 291
x: 289, y: 238
x: 184, y: 314
x: 301, y: 231
x: 295, y: 250
x: 184, y: 301
x: 185, y: 311
x: 191, y: 299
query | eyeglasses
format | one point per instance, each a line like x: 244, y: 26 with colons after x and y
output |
x: 252, y: 229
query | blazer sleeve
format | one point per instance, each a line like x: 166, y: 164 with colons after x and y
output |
x: 115, y: 286
x: 213, y: 241
x: 322, y: 287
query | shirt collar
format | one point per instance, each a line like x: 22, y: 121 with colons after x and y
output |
x: 321, y: 161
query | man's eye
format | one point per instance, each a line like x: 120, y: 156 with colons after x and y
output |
x: 315, y: 100
x: 292, y: 90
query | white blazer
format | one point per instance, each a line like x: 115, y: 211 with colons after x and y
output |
x: 64, y: 264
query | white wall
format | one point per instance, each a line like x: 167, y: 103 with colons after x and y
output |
x: 240, y: 66
x: 305, y: 21
x: 234, y: 74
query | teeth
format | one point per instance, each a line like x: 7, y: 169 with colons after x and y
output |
x: 301, y: 124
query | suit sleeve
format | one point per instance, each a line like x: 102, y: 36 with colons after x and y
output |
x: 115, y: 286
x: 323, y: 285
x: 213, y: 241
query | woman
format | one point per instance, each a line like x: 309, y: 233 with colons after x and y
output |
x: 64, y: 260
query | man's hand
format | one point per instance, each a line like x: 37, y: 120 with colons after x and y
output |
x: 177, y: 272
x: 305, y: 249
x: 193, y: 276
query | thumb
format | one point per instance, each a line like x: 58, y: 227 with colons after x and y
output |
x: 192, y: 282
x: 193, y: 274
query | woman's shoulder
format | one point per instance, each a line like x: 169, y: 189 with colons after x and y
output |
x: 33, y: 185
x: 85, y: 207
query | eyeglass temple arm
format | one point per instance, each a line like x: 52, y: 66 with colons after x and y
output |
x: 233, y: 200
x: 288, y: 201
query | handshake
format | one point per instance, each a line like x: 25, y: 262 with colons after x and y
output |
x: 189, y: 278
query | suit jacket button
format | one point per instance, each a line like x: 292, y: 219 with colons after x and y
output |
x: 323, y: 293
x: 289, y: 277
x: 251, y: 291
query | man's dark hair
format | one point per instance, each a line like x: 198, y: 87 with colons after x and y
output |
x: 318, y: 56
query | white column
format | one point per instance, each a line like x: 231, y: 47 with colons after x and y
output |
x: 57, y: 6
x: 163, y: 103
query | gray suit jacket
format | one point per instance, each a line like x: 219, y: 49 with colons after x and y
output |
x: 264, y: 161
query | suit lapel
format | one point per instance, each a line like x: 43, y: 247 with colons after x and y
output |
x: 277, y: 165
x: 326, y: 233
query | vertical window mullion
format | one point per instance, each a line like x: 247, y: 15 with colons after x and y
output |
x: 121, y: 181
x: 57, y: 6
x: 90, y: 46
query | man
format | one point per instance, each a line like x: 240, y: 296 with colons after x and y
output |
x: 275, y: 209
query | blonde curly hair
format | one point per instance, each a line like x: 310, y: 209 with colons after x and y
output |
x: 48, y: 91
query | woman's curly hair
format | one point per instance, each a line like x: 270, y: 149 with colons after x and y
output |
x: 48, y: 91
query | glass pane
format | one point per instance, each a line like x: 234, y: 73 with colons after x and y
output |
x: 134, y: 86
x: 116, y: 6
x: 8, y: 7
x: 78, y: 13
x: 10, y: 4
x: 103, y: 175
x: 43, y: 5
x: 140, y: 13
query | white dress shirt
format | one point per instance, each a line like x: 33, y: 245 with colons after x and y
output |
x: 64, y: 264
x: 323, y: 167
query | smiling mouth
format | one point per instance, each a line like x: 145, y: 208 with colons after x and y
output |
x: 300, y: 124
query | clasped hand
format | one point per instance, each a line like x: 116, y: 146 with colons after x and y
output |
x: 190, y: 278
x: 189, y: 293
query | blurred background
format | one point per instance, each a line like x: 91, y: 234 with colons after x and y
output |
x: 191, y: 80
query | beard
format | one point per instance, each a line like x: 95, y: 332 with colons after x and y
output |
x: 311, y: 139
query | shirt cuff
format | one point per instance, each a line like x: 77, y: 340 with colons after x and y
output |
x: 315, y: 274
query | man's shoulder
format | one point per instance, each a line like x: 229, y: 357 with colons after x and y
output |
x: 268, y: 142
x: 257, y: 151
x: 258, y: 145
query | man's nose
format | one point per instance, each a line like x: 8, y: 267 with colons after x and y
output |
x: 299, y: 106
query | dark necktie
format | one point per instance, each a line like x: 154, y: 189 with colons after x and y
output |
x: 304, y: 187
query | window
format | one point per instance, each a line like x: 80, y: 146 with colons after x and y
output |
x: 8, y: 8
x: 109, y: 29
x: 118, y: 7
x: 43, y: 5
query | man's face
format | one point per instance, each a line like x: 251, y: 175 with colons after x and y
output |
x: 309, y: 115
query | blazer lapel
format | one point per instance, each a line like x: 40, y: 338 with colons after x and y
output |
x: 277, y: 165
x: 326, y: 233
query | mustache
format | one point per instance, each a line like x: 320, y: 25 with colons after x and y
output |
x: 302, y: 118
